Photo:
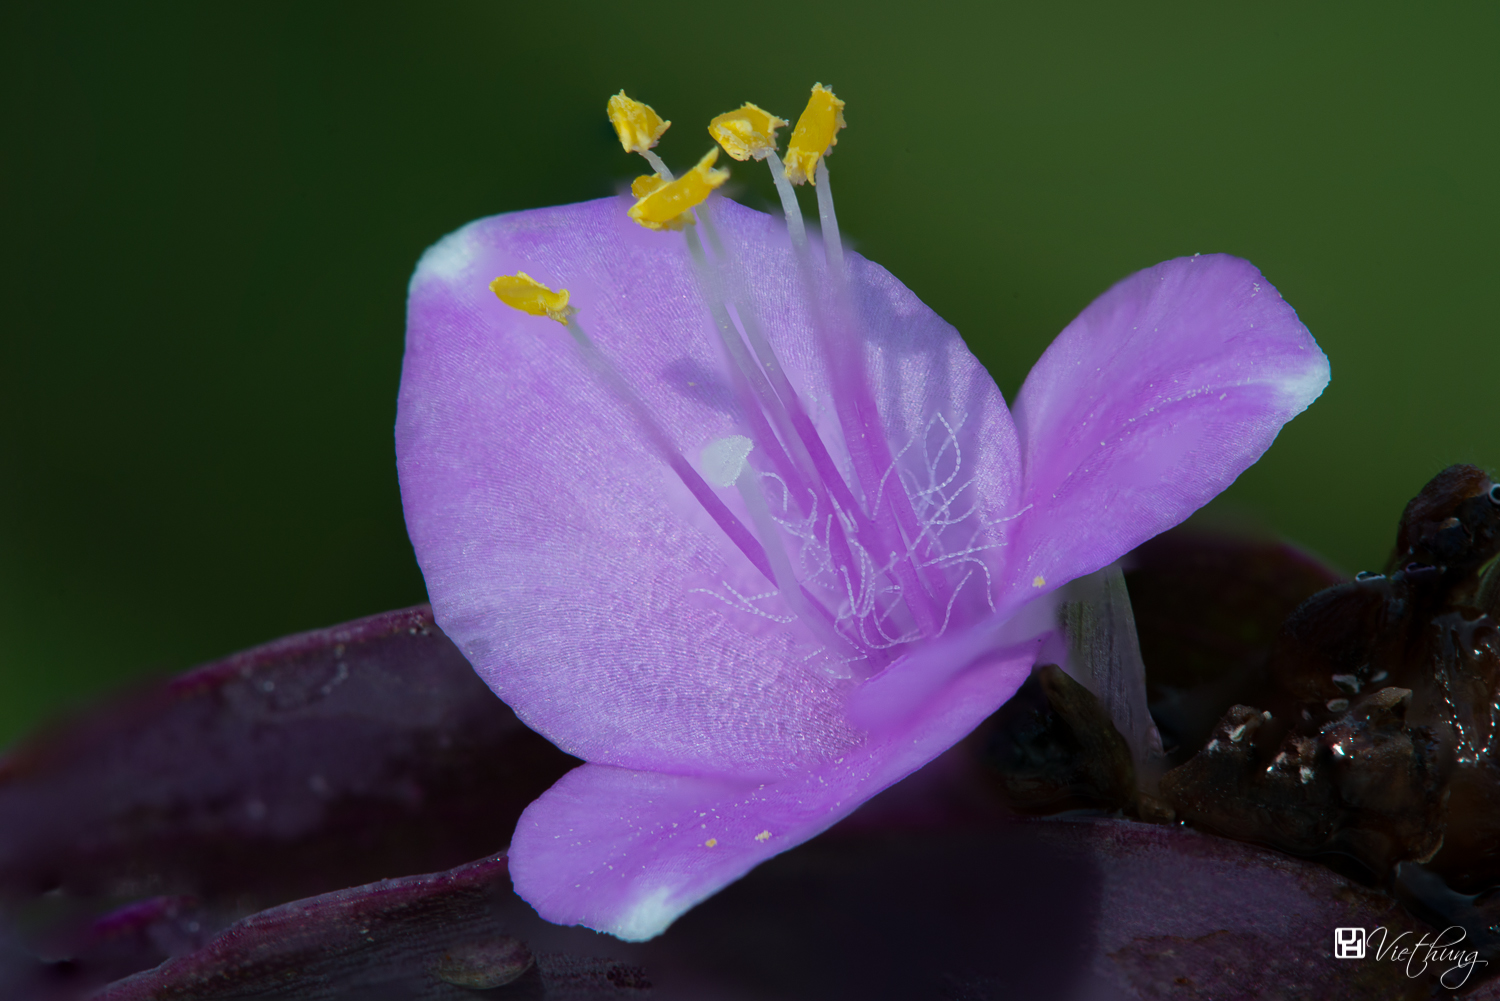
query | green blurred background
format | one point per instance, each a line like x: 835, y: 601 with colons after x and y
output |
x: 210, y: 212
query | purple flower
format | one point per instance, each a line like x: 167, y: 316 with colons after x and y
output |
x: 756, y: 536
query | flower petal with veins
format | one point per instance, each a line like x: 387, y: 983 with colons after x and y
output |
x: 576, y: 574
x: 593, y: 591
x: 648, y: 845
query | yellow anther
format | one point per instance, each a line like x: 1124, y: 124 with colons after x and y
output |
x: 816, y: 133
x: 523, y: 292
x: 666, y: 205
x: 645, y: 184
x: 635, y: 123
x: 747, y: 132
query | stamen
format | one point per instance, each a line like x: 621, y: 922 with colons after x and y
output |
x: 796, y: 429
x: 668, y: 205
x: 750, y: 384
x: 880, y: 531
x: 645, y: 184
x: 656, y: 435
x: 638, y: 125
x: 726, y: 458
x: 833, y: 247
x: 523, y: 292
x: 895, y: 521
x: 809, y: 473
x: 872, y: 551
x: 891, y: 528
x: 794, y: 226
x: 657, y: 165
x: 815, y: 135
x: 746, y: 132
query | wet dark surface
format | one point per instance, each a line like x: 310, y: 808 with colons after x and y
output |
x: 1208, y: 608
x: 1371, y: 733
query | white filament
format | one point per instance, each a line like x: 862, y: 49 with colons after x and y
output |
x: 657, y: 164
x: 769, y: 533
x: 788, y: 201
x: 832, y: 247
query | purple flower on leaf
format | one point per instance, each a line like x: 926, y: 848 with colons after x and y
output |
x: 755, y: 535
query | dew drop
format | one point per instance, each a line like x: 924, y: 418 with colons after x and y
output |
x: 485, y: 964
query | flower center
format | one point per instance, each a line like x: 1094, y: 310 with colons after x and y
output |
x: 868, y: 549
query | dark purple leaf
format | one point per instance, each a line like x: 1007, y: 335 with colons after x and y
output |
x: 1076, y: 909
x: 319, y: 761
x: 435, y: 936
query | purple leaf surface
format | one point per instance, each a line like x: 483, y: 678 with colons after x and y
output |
x: 319, y: 761
x: 1084, y: 909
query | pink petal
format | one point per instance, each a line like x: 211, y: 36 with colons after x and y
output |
x: 567, y: 562
x: 1150, y: 403
x: 626, y: 852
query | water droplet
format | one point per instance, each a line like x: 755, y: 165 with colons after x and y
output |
x: 485, y: 964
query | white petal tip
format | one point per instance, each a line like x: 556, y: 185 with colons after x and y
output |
x: 650, y: 916
x: 1301, y: 390
x: 448, y: 258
